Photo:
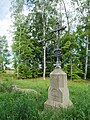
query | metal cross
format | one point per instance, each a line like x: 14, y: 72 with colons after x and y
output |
x: 57, y: 51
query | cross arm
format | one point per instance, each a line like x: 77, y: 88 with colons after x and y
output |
x: 61, y: 29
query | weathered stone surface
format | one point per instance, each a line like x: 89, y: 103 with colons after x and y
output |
x: 58, y: 94
x: 15, y: 88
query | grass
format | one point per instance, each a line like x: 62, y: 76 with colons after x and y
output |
x: 21, y: 106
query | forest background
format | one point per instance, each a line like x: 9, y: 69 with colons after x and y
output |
x: 34, y: 42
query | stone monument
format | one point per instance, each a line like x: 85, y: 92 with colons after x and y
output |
x: 58, y: 94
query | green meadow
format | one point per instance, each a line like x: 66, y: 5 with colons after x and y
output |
x: 16, y: 105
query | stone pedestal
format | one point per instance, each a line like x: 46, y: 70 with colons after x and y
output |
x: 58, y: 94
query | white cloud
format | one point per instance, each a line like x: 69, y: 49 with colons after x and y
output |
x: 5, y: 30
x: 5, y: 21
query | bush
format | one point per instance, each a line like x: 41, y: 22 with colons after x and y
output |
x: 23, y: 70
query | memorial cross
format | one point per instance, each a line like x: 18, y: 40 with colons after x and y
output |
x: 57, y: 51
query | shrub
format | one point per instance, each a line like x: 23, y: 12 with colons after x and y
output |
x: 23, y: 70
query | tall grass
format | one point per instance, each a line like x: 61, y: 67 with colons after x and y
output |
x: 22, y: 106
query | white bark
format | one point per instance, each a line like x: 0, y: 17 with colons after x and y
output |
x: 44, y: 69
x: 86, y: 62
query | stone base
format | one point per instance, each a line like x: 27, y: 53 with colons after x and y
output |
x: 55, y: 104
x: 58, y: 93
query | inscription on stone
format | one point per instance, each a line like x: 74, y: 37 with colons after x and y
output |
x: 54, y: 94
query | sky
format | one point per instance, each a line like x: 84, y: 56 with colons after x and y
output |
x: 5, y: 20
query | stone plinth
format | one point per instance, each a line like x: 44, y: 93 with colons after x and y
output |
x: 58, y: 94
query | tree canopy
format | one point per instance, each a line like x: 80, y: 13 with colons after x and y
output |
x: 33, y: 33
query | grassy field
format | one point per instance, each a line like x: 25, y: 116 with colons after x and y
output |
x: 27, y: 106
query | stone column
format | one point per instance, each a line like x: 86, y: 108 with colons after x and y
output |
x: 58, y: 94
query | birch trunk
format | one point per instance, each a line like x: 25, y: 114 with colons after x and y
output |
x: 68, y: 34
x: 86, y: 62
x: 44, y: 67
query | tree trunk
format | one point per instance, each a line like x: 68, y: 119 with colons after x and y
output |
x: 71, y: 63
x: 66, y: 16
x: 19, y: 52
x: 86, y: 62
x: 87, y: 45
x: 68, y: 34
x: 44, y: 69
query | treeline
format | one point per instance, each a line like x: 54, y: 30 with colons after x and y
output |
x: 34, y: 41
x: 4, y: 54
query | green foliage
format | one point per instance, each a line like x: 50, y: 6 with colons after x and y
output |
x: 4, y: 54
x: 71, y: 62
x: 30, y: 34
x: 23, y: 70
x: 83, y: 30
x: 6, y: 76
x: 5, y: 87
x: 33, y: 31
